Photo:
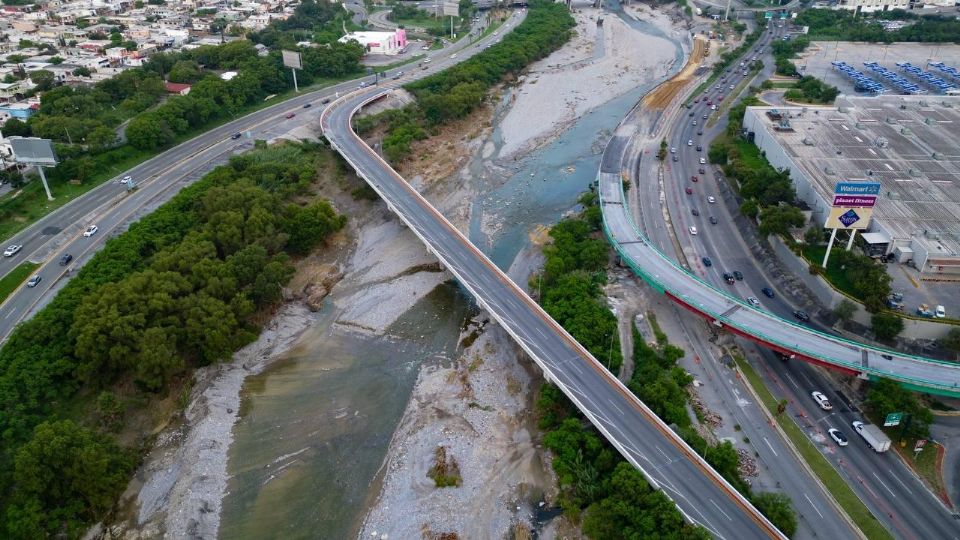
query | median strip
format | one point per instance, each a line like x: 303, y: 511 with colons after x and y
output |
x: 14, y: 278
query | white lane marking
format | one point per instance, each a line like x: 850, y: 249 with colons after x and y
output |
x: 720, y: 510
x: 771, y: 447
x: 813, y: 505
x: 619, y: 410
x: 793, y: 382
x: 884, y: 485
x: 665, y: 455
x: 897, y: 478
x: 7, y: 316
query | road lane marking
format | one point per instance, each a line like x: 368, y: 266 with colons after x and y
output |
x: 720, y: 509
x: 619, y: 410
x: 897, y: 478
x: 884, y: 485
x: 771, y: 447
x: 813, y: 505
x: 793, y: 382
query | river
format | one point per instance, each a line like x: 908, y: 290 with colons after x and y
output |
x: 315, y: 427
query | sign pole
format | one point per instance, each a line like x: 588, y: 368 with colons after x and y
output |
x: 833, y: 236
x: 295, y: 89
x: 853, y: 234
x: 43, y: 178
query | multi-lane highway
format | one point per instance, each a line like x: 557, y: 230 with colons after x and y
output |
x: 643, y: 439
x: 891, y: 491
x: 111, y: 207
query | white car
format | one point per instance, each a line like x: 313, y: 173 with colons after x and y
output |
x: 689, y: 142
x: 837, y: 436
x: 693, y: 231
x: 12, y: 250
x: 126, y: 180
x: 711, y: 200
x: 821, y: 400
x: 703, y: 161
x: 939, y: 312
x: 753, y: 301
x: 91, y: 230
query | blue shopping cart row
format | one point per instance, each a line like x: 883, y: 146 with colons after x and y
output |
x: 902, y: 83
x: 861, y: 82
x: 926, y: 77
x: 952, y: 72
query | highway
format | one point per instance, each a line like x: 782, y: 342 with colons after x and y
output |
x: 885, y: 484
x: 642, y: 438
x: 112, y: 208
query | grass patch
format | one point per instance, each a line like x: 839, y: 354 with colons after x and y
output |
x: 833, y: 274
x: 834, y: 483
x: 749, y: 154
x: 445, y: 471
x: 657, y: 331
x: 14, y: 278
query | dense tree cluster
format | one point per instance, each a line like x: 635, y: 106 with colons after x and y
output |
x: 886, y: 396
x: 320, y: 21
x: 829, y: 24
x: 784, y: 51
x: 180, y: 289
x: 869, y: 279
x: 812, y: 90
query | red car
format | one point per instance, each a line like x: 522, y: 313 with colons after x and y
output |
x: 719, y: 99
x: 290, y: 115
x: 694, y: 178
x: 689, y: 191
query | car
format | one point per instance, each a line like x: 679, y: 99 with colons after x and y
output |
x: 126, y: 180
x: 753, y: 301
x: 12, y: 250
x: 673, y: 149
x: 717, y: 87
x: 801, y: 315
x: 703, y: 161
x: 767, y: 291
x: 737, y: 274
x: 307, y: 105
x: 706, y: 116
x: 706, y: 261
x: 290, y: 115
x: 689, y: 106
x: 34, y: 281
x: 711, y: 200
x: 696, y: 100
x: 363, y: 84
x: 689, y: 142
x: 426, y: 60
x: 728, y: 277
x: 713, y: 220
x: 91, y: 230
x: 695, y: 211
x: 693, y: 231
x: 675, y: 159
x: 398, y: 75
x: 699, y: 132
x: 235, y: 136
x: 694, y: 178
x: 731, y: 87
x: 65, y: 259
x: 701, y: 170
x: 694, y: 122
x: 821, y: 400
x: 939, y: 312
x: 691, y: 114
x: 688, y: 191
x: 719, y: 98
x: 699, y: 148
x: 713, y: 107
x: 454, y: 55
x: 325, y: 100
x: 837, y: 436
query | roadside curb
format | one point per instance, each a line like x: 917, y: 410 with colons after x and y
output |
x: 789, y: 444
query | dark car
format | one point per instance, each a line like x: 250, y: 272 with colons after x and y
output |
x: 767, y: 291
x: 728, y: 277
x: 699, y: 148
x: 307, y: 105
x: 290, y: 115
x: 689, y: 191
x: 675, y: 158
x: 691, y: 113
x: 325, y: 100
x: 738, y: 275
x: 65, y: 260
x: 701, y: 170
x: 694, y: 178
x: 713, y: 220
x: 801, y: 315
x: 707, y: 261
x: 235, y: 136
x: 695, y: 212
x: 700, y: 132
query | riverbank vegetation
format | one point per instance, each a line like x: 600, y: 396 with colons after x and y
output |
x: 454, y: 93
x: 613, y: 499
x: 87, y: 123
x: 185, y: 287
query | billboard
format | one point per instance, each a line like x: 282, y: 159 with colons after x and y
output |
x: 291, y: 59
x: 855, y: 201
x: 451, y: 8
x: 33, y: 151
x: 857, y: 188
x: 842, y: 217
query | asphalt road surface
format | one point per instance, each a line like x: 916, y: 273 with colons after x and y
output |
x: 885, y: 484
x: 643, y: 439
x: 112, y: 207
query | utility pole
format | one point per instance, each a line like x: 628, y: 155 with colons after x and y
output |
x: 726, y: 14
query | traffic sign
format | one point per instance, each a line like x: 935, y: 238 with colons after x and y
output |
x: 893, y: 419
x: 920, y: 444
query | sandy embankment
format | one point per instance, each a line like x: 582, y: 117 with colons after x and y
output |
x: 581, y: 76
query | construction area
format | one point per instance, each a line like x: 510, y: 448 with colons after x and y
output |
x: 663, y: 95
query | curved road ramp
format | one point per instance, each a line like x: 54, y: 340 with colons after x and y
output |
x: 739, y: 317
x: 701, y: 494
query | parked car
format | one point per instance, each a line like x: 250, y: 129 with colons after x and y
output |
x: 65, y: 259
x: 12, y: 250
x: 837, y: 436
x: 767, y: 291
x: 34, y: 281
x: 91, y: 230
x: 939, y: 312
x: 821, y: 400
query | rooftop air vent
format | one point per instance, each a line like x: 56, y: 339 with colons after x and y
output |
x: 935, y: 155
x: 929, y: 121
x: 808, y: 141
x: 881, y: 142
x: 891, y: 120
x: 905, y: 131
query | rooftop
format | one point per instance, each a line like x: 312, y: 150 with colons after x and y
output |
x: 910, y: 144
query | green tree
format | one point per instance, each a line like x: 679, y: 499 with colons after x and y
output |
x: 886, y: 396
x: 56, y: 60
x: 845, y: 310
x: 185, y: 71
x: 82, y: 72
x: 950, y: 342
x: 780, y: 219
x: 43, y: 79
x: 778, y: 509
x: 886, y: 326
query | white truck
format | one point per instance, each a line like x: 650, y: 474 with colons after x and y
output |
x: 874, y: 437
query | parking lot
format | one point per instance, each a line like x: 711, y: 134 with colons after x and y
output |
x: 816, y: 60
